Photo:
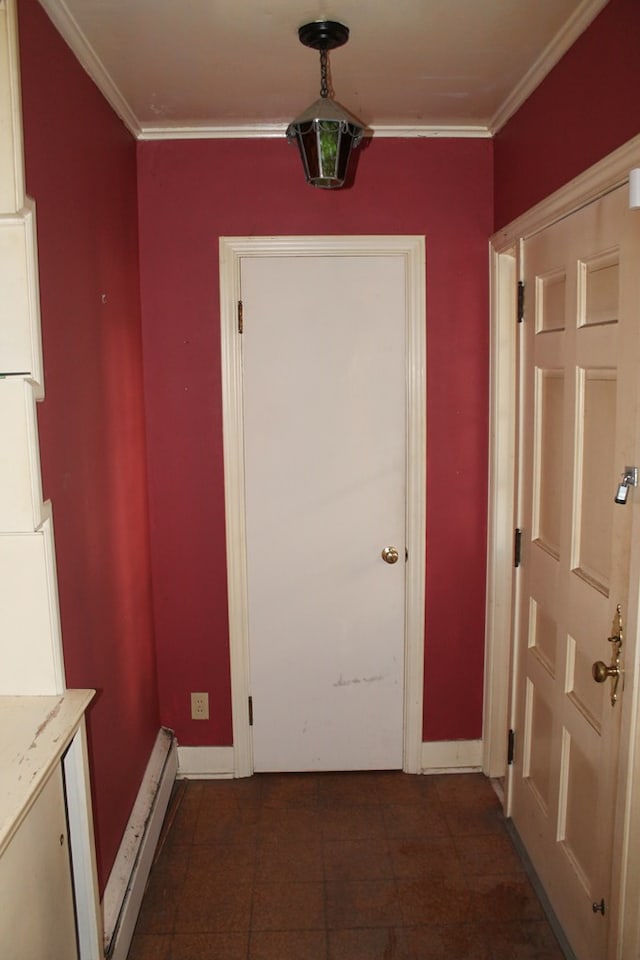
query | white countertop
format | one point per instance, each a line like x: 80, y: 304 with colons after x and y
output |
x: 34, y: 733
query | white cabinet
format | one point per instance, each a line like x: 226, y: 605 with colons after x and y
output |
x: 48, y: 893
x: 37, y: 918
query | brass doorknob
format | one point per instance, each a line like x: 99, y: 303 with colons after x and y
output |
x: 390, y: 555
x: 601, y: 671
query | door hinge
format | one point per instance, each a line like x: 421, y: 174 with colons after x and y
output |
x: 517, y: 547
x: 240, y: 317
x: 511, y: 746
x: 250, y: 711
x: 520, y: 301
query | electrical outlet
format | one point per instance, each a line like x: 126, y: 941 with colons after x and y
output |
x: 199, y: 706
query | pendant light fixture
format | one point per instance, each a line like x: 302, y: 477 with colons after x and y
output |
x: 325, y: 133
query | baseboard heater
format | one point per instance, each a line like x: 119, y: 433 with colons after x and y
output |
x: 128, y: 878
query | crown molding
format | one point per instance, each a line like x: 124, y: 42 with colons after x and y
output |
x: 214, y: 131
x: 203, y: 131
x: 68, y: 28
x: 460, y: 130
x: 565, y: 38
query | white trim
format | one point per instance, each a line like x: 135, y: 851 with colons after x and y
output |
x: 244, y: 131
x: 38, y: 509
x: 33, y: 295
x: 456, y: 131
x: 11, y: 144
x: 500, y: 519
x: 51, y: 572
x: 67, y: 26
x: 82, y: 845
x: 232, y: 250
x: 212, y: 131
x: 20, y: 485
x: 416, y: 515
x: 205, y: 763
x: 451, y: 756
x: 550, y: 56
x: 233, y: 456
x: 21, y: 340
x: 128, y: 877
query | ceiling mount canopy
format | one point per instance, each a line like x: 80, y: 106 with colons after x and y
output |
x: 323, y: 34
x: 325, y: 133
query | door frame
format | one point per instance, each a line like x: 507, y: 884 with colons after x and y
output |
x: 607, y: 175
x: 232, y: 250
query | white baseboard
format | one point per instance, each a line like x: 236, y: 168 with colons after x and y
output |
x: 452, y: 756
x: 128, y: 878
x: 205, y: 763
x: 446, y: 756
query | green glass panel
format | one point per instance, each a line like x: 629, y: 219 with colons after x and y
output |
x: 329, y: 137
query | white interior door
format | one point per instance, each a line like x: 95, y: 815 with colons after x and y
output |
x: 579, y: 413
x: 325, y: 439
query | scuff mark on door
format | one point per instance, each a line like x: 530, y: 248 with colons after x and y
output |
x: 341, y: 682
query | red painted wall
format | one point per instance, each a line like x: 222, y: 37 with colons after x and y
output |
x: 584, y: 109
x: 81, y: 170
x: 192, y: 192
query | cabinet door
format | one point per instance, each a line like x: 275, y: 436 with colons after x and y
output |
x: 36, y: 901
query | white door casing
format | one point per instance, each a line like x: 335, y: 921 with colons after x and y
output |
x: 232, y: 252
x: 624, y: 937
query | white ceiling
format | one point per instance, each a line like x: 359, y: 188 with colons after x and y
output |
x: 236, y: 67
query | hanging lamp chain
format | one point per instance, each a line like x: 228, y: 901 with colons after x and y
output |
x: 324, y: 84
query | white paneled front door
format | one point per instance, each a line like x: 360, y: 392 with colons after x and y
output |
x: 579, y: 432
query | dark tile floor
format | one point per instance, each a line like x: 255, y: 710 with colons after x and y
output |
x: 344, y: 866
